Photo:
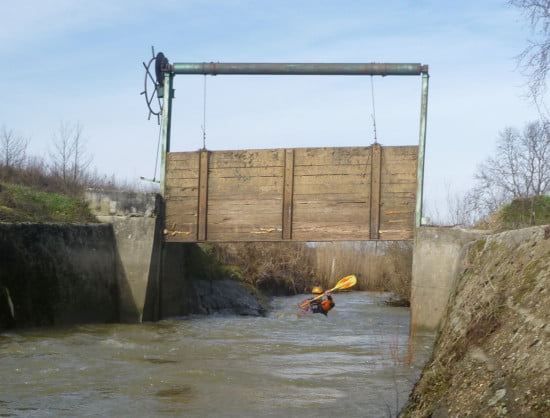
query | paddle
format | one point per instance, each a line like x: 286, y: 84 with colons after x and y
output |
x: 344, y: 283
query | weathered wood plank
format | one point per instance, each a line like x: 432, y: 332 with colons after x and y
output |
x: 184, y: 173
x: 255, y: 185
x: 182, y: 160
x: 177, y: 193
x: 332, y: 178
x: 203, y: 196
x: 362, y: 170
x: 375, y: 191
x: 288, y: 194
x: 327, y: 156
x: 243, y: 173
x: 247, y: 158
x: 265, y: 234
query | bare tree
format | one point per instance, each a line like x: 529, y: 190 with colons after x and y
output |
x: 520, y: 168
x: 70, y: 160
x: 460, y: 210
x: 535, y: 58
x: 13, y: 149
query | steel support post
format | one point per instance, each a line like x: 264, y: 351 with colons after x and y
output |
x: 166, y: 127
x: 421, y: 151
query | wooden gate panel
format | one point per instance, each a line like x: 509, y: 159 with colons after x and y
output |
x: 245, y: 190
x: 331, y: 193
x: 398, y: 190
x: 305, y: 194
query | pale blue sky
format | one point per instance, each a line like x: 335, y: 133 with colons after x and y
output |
x: 81, y: 61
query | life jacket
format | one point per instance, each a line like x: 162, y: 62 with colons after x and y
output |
x: 327, y: 305
x: 322, y: 306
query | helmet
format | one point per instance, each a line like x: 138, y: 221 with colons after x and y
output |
x: 317, y: 290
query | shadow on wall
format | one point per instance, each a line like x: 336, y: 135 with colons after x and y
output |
x: 54, y: 274
x: 151, y: 305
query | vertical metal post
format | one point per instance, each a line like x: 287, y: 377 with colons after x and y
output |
x: 166, y: 127
x: 167, y: 96
x: 421, y: 151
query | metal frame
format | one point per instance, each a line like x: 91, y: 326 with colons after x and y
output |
x: 383, y: 69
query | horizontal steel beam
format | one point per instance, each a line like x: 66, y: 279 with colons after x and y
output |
x: 215, y: 68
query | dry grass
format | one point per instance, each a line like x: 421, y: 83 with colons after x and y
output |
x: 378, y: 266
x: 290, y: 268
x: 408, y: 357
x: 272, y: 267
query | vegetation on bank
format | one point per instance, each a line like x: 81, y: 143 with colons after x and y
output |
x: 24, y: 204
x: 520, y: 213
x: 291, y: 268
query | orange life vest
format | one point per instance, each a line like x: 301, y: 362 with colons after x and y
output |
x: 327, y: 305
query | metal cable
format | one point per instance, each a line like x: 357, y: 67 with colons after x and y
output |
x: 373, y: 109
x: 158, y: 148
x: 204, y: 114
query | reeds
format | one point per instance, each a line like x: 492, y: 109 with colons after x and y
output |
x: 290, y: 268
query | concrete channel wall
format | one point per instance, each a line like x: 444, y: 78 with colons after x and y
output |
x: 53, y: 274
x: 133, y: 217
x: 437, y: 259
x: 62, y: 274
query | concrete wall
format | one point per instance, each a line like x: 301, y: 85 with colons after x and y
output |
x: 437, y: 257
x: 54, y: 274
x: 133, y: 217
x: 59, y: 274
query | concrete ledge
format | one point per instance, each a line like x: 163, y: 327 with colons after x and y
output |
x: 120, y: 203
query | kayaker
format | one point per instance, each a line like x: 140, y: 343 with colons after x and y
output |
x: 322, y: 304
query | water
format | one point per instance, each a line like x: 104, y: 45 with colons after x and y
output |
x: 353, y: 363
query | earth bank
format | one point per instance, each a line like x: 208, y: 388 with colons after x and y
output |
x: 491, y: 356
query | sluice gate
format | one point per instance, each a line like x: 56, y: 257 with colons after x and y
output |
x: 303, y: 194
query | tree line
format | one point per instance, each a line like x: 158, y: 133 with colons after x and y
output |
x: 65, y: 168
x: 519, y: 170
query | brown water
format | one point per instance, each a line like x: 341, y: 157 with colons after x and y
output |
x: 349, y: 364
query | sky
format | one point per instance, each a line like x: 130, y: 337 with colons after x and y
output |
x: 81, y: 62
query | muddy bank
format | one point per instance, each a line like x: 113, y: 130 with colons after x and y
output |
x: 492, y: 355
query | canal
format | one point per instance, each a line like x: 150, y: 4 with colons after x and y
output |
x: 357, y: 362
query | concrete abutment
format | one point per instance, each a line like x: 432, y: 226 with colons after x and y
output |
x: 438, y: 256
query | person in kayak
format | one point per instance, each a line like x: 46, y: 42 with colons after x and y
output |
x: 322, y: 304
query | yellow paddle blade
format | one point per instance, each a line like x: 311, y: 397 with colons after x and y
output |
x: 345, y: 283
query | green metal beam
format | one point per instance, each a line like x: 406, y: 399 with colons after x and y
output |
x: 215, y: 68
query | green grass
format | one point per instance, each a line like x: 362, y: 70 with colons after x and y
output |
x: 24, y: 204
x: 526, y: 212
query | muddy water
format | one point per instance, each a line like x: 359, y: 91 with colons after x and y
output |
x: 353, y: 363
